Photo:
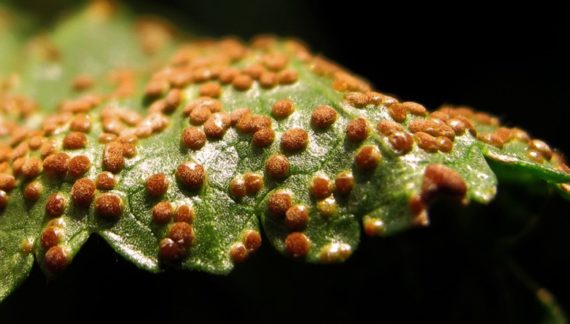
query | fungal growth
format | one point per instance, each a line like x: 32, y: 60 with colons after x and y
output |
x: 180, y: 154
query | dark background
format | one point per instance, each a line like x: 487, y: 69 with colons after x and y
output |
x: 510, y: 61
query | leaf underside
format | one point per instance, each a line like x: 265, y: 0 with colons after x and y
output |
x: 178, y: 152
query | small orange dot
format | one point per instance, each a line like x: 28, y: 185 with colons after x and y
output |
x: 32, y: 167
x: 184, y: 213
x: 323, y: 116
x: 368, y: 157
x: 210, y: 89
x: 182, y: 234
x: 217, y: 125
x: 109, y: 206
x: 191, y: 175
x: 3, y: 199
x: 162, y: 212
x: 357, y: 130
x: 113, y: 159
x: 237, y: 187
x: 78, y: 166
x: 288, y: 76
x: 252, y: 240
x: 282, y: 108
x: 170, y: 250
x: 74, y: 141
x: 83, y: 192
x: 237, y: 114
x: 295, y: 139
x: 242, y: 82
x: 193, y: 138
x: 402, y: 141
x: 33, y: 191
x: 344, y: 182
x: 253, y: 183
x: 277, y: 166
x: 398, y: 112
x: 200, y: 115
x: 278, y: 204
x: 296, y: 217
x: 263, y: 137
x: 157, y: 184
x: 56, y: 259
x: 105, y: 181
x: 81, y: 123
x: 51, y: 236
x: 238, y: 252
x: 268, y: 80
x: 297, y: 245
x: 56, y: 164
x: 55, y: 205
x: 321, y: 187
x: 7, y: 182
x: 357, y: 99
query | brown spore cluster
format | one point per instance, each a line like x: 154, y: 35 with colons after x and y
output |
x: 250, y: 242
x: 177, y: 218
x: 281, y: 208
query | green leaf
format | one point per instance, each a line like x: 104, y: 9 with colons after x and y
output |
x: 93, y: 43
x: 512, y: 148
x: 18, y: 232
x: 180, y: 162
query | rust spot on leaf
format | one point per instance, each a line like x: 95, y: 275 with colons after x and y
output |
x: 282, y: 108
x: 74, y: 141
x: 297, y: 245
x: 55, y: 205
x: 193, y: 138
x: 105, y: 181
x: 78, y: 166
x: 368, y: 157
x: 184, y: 213
x: 238, y: 252
x: 56, y: 164
x: 263, y: 137
x: 51, y: 236
x: 252, y: 240
x: 242, y: 82
x: 357, y: 130
x: 277, y: 166
x: 162, y: 212
x: 191, y: 175
x: 83, y: 192
x: 294, y: 140
x: 56, y: 259
x: 439, y: 179
x: 321, y: 187
x: 253, y: 183
x: 33, y: 191
x: 113, y: 159
x: 170, y: 250
x: 109, y: 206
x: 296, y: 217
x: 157, y: 184
x: 182, y: 234
x: 7, y: 182
x: 31, y: 168
x: 278, y: 204
x: 323, y: 116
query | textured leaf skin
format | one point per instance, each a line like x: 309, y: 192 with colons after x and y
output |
x: 405, y: 159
